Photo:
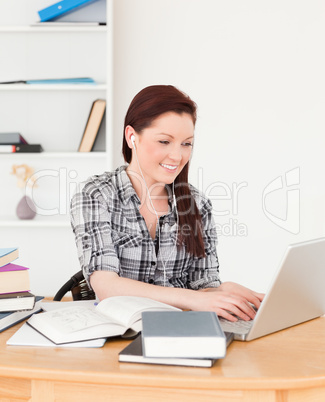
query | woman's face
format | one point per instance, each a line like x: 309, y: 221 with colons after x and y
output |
x: 164, y: 148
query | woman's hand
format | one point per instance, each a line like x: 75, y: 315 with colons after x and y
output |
x: 230, y: 300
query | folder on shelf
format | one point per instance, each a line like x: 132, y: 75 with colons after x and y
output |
x: 94, y: 12
x: 95, y: 119
x: 21, y: 148
x: 67, y: 81
x: 60, y: 8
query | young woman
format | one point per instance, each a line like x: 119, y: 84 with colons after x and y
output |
x: 143, y: 230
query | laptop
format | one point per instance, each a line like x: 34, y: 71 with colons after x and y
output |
x: 296, y: 294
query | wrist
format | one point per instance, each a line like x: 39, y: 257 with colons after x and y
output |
x: 185, y: 299
x: 208, y: 289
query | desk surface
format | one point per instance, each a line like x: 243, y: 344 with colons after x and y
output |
x: 290, y: 362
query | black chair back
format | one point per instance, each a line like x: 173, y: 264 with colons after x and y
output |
x: 78, y: 287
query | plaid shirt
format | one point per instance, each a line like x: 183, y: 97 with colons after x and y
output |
x: 111, y: 235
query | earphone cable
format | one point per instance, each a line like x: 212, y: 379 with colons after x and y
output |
x: 158, y: 223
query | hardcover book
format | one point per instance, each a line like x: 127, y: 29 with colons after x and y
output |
x: 16, y: 301
x: 183, y: 334
x: 92, y: 128
x: 14, y: 278
x: 133, y: 354
x: 8, y: 255
x: 12, y: 138
x: 9, y: 319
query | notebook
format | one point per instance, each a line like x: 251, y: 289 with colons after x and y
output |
x: 296, y: 294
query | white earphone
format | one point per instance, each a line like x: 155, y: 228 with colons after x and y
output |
x: 133, y: 140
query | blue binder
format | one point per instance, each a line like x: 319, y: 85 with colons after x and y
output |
x: 62, y: 7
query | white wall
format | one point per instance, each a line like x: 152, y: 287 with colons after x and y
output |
x: 256, y: 71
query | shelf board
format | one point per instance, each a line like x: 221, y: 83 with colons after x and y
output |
x: 39, y: 221
x: 54, y: 87
x: 54, y: 28
x: 56, y: 155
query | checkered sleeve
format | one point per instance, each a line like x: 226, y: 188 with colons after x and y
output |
x: 204, y: 272
x: 90, y: 221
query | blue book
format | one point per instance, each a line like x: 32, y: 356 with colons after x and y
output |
x: 8, y: 255
x: 60, y: 8
x: 69, y: 81
x: 82, y: 80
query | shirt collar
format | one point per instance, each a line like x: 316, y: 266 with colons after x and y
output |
x: 124, y: 186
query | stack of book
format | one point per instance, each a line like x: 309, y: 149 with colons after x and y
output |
x: 184, y: 338
x: 15, y: 142
x: 166, y: 335
x: 16, y: 301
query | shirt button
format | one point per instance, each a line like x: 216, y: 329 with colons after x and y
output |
x: 151, y: 281
x: 153, y: 263
x: 86, y: 245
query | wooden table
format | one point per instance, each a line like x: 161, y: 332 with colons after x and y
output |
x: 286, y: 366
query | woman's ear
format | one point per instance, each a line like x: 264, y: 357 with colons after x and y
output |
x: 129, y: 133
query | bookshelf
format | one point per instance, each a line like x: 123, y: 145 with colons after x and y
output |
x: 38, y: 222
x: 53, y: 52
x: 49, y: 155
x: 54, y: 116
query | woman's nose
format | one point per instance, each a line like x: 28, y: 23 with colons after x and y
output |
x: 176, y: 154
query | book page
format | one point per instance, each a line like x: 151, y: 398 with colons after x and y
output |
x: 73, y: 319
x: 127, y: 310
x: 56, y: 305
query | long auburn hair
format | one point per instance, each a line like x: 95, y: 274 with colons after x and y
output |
x: 150, y: 103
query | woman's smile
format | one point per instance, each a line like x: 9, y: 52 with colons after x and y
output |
x: 170, y: 168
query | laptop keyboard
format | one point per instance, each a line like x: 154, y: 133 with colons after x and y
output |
x: 239, y: 327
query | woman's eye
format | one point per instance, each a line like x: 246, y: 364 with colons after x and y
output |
x: 187, y: 144
x: 164, y: 142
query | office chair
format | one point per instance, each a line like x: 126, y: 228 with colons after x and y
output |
x: 78, y: 287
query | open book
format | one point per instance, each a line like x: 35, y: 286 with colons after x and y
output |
x: 115, y: 316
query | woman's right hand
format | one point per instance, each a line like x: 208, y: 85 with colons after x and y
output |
x: 230, y: 301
